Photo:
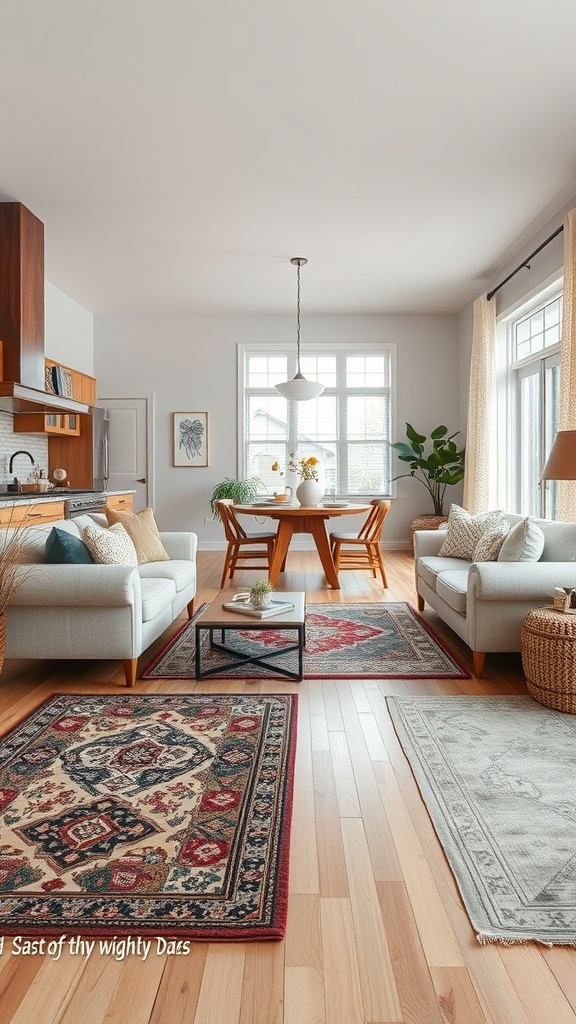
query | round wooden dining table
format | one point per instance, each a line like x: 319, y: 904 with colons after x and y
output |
x: 301, y: 519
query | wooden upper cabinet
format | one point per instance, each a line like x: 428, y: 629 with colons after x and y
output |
x: 22, y: 295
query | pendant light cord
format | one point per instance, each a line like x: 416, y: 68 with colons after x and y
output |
x: 298, y: 318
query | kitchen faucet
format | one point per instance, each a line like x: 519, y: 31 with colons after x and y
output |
x: 15, y: 484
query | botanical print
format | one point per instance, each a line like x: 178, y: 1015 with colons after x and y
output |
x: 190, y: 439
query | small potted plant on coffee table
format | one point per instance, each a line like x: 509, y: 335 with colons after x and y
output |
x: 261, y: 593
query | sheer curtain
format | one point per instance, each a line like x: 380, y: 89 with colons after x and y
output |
x: 566, y: 493
x: 480, y: 469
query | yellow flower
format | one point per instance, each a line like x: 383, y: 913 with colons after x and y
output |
x: 275, y: 466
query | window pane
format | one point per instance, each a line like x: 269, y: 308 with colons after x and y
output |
x: 320, y: 368
x: 266, y: 371
x: 529, y: 444
x: 552, y: 313
x: 365, y: 372
x: 317, y: 418
x: 267, y: 417
x: 366, y: 418
x: 368, y: 469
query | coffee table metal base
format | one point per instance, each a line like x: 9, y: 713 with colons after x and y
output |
x: 218, y: 623
x: 237, y: 658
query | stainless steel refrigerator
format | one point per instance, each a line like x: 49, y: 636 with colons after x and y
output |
x: 100, y: 448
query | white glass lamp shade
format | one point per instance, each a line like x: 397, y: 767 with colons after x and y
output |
x: 299, y: 389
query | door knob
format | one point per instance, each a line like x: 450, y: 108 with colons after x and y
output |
x: 142, y: 481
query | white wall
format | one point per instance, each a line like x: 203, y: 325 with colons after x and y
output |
x: 69, y: 331
x: 189, y: 364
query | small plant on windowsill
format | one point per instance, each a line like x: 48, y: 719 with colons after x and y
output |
x: 260, y: 592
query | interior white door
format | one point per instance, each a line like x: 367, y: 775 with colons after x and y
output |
x: 128, y: 447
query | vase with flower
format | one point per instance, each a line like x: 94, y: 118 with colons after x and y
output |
x: 309, y: 492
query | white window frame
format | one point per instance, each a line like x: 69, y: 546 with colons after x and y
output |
x: 510, y: 373
x: 341, y: 350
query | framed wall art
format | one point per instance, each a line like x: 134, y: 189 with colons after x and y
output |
x: 190, y: 438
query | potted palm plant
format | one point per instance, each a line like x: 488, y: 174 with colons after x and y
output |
x: 436, y: 462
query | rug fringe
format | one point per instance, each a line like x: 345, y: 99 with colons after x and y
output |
x: 484, y: 939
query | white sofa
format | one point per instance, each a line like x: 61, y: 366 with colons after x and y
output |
x: 97, y: 611
x: 485, y: 603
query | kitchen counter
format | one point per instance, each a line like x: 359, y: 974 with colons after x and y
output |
x: 57, y: 494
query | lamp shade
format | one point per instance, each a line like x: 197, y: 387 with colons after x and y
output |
x: 561, y: 463
x: 299, y: 389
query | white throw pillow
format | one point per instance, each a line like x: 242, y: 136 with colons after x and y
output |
x: 463, y: 531
x: 110, y: 547
x: 488, y: 547
x: 524, y: 543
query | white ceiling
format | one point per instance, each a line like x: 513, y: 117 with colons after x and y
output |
x: 180, y: 152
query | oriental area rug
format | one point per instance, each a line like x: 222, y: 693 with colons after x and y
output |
x: 385, y: 640
x: 157, y: 815
x: 498, y: 777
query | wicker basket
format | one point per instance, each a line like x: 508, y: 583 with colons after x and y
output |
x: 430, y: 522
x: 548, y: 644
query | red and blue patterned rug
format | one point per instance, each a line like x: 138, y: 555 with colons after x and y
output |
x: 155, y: 814
x: 386, y: 640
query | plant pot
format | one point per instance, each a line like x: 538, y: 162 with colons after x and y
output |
x: 425, y: 522
x: 261, y: 600
x: 309, y: 493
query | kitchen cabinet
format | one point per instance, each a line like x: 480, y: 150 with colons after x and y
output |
x: 120, y: 502
x: 47, y: 423
x: 31, y: 513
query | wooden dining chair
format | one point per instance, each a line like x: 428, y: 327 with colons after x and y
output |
x: 242, y: 547
x: 362, y: 550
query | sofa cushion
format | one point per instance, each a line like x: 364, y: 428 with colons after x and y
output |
x: 63, y: 547
x: 452, y: 587
x: 110, y: 547
x: 524, y: 543
x: 157, y: 594
x: 430, y: 566
x: 463, y: 531
x: 182, y: 573
x: 559, y: 541
x: 141, y: 528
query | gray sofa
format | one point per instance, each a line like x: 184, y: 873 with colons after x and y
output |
x: 485, y: 603
x: 98, y: 611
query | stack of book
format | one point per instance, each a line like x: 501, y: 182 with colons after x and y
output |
x: 276, y: 607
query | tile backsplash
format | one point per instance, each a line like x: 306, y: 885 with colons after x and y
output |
x: 36, y: 444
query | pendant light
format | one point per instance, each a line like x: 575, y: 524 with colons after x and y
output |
x: 299, y: 389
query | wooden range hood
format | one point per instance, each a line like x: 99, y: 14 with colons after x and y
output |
x: 22, y: 388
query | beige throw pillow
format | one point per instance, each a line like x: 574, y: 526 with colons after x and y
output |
x: 463, y: 531
x: 141, y: 528
x: 110, y: 547
x: 524, y: 543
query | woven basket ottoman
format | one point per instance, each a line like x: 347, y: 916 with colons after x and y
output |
x: 548, y: 644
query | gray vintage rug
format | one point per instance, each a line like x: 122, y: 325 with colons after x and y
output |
x: 498, y: 776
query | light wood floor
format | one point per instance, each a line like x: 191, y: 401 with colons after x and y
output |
x: 376, y: 932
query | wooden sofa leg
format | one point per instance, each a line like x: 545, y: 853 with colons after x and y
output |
x: 130, y: 665
x: 190, y: 607
x: 420, y: 603
x: 478, y: 659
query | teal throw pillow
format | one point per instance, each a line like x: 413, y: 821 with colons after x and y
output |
x: 63, y: 547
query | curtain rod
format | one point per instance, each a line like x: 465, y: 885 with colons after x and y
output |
x: 525, y: 262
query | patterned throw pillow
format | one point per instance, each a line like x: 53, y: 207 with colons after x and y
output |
x: 464, y: 531
x: 142, y: 530
x: 110, y: 547
x: 488, y: 547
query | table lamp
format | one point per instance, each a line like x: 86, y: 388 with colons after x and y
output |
x: 561, y: 463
